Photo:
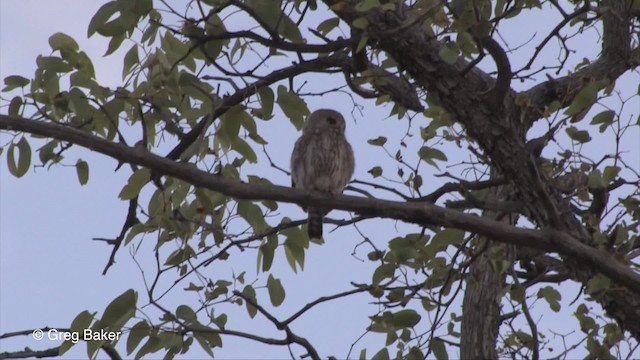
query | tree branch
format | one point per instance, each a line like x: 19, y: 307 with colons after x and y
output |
x: 337, y: 60
x: 130, y: 220
x: 501, y: 136
x: 30, y: 354
x: 420, y: 213
x: 311, y: 351
x: 496, y: 95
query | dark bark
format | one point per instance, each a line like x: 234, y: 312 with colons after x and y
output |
x: 499, y: 125
x: 483, y: 292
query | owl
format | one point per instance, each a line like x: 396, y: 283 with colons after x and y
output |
x: 322, y: 160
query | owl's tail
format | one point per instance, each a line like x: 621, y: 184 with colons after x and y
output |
x: 314, y: 223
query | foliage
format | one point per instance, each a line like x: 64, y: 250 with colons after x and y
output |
x: 221, y: 84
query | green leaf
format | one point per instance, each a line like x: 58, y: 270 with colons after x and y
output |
x: 180, y: 255
x: 249, y: 123
x: 24, y: 158
x: 466, y: 44
x: 363, y: 354
x: 517, y: 293
x: 253, y: 215
x: 53, y: 64
x: 120, y: 310
x: 552, y: 296
x: 439, y: 350
x: 79, y: 105
x: 415, y: 353
x: 152, y: 345
x: 206, y: 337
x: 364, y: 40
x: 45, y: 153
x: 250, y: 293
x: 294, y: 247
x: 379, y: 141
x: 85, y: 66
x: 366, y: 5
x: 597, y: 284
x: 93, y: 343
x: 382, y: 272
x: 427, y: 154
x: 60, y: 41
x: 604, y: 119
x: 204, y: 344
x: 293, y: 106
x: 499, y: 7
x: 229, y: 127
x: 82, y: 169
x: 388, y: 7
x: 138, y: 332
x: 610, y: 173
x: 214, y: 27
x: 245, y: 150
x: 449, y: 236
x: 266, y: 98
x: 326, y: 26
x: 406, y: 318
x: 449, y: 54
x: 15, y: 106
x: 289, y: 29
x: 595, y: 180
x: 114, y: 44
x: 221, y: 321
x: 184, y: 312
x: 383, y: 354
x: 270, y: 12
x: 525, y: 339
x: 14, y: 82
x: 581, y: 136
x: 136, y: 182
x: 391, y: 338
x: 417, y: 182
x: 276, y: 291
x: 100, y: 18
x: 360, y: 23
x: 375, y: 171
x: 584, y: 99
x: 267, y: 252
x: 81, y: 322
x: 130, y: 60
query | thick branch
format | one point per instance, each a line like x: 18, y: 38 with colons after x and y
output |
x: 617, y: 58
x: 501, y: 135
x: 503, y: 83
x: 416, y: 213
x: 31, y: 354
x: 334, y: 45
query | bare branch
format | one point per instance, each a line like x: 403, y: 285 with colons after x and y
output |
x: 337, y: 60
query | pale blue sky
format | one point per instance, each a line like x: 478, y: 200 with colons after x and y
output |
x: 50, y: 269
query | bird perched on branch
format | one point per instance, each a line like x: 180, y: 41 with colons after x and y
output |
x: 322, y: 160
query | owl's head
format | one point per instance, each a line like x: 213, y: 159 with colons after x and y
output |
x: 325, y: 120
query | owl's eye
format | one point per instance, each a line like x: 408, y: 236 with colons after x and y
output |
x: 331, y: 121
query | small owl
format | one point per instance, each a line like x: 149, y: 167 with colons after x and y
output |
x: 322, y: 160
